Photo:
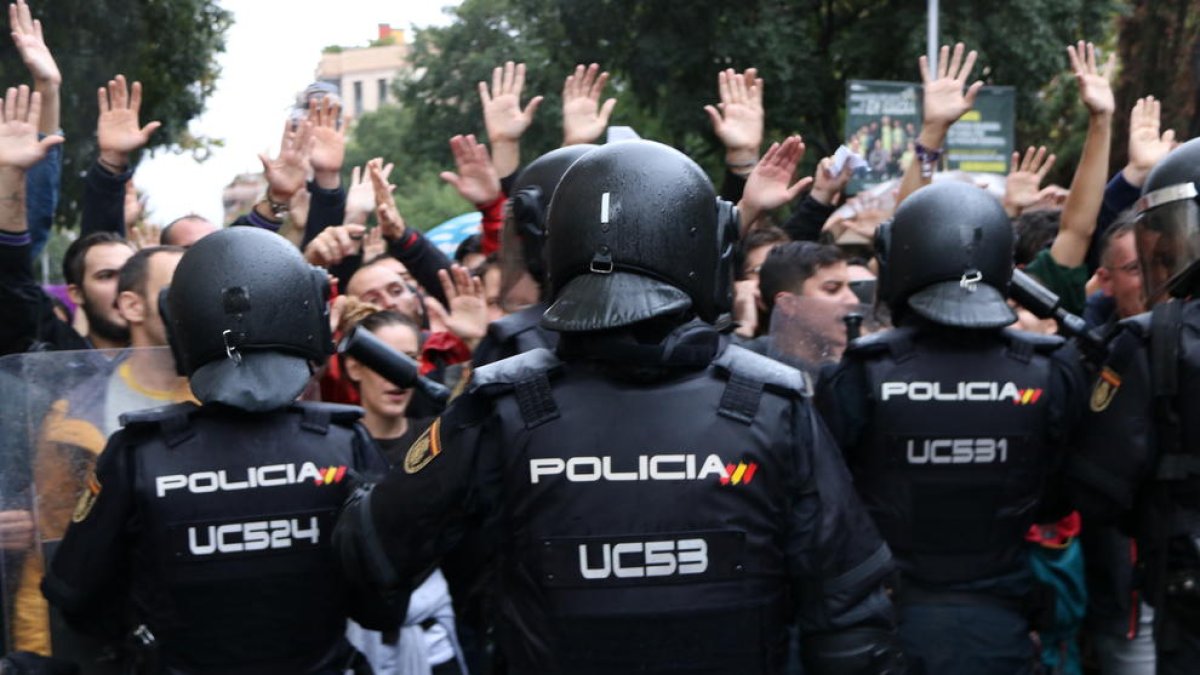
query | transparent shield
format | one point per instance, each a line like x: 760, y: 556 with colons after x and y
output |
x: 518, y: 289
x: 1168, y: 245
x: 812, y: 332
x: 59, y: 410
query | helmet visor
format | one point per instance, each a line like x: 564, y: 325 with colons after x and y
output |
x: 1168, y: 243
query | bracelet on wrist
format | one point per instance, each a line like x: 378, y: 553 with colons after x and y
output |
x: 928, y: 157
x: 278, y: 209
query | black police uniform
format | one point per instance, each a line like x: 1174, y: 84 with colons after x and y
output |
x: 659, y: 502
x: 216, y: 525
x: 215, y: 522
x: 514, y: 334
x: 633, y: 545
x: 1137, y: 462
x: 953, y: 428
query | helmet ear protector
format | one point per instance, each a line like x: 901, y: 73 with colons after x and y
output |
x: 883, y: 244
x: 529, y: 216
x: 164, y: 310
x: 728, y: 228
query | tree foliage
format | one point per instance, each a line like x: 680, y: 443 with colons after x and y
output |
x: 665, y: 57
x: 169, y: 45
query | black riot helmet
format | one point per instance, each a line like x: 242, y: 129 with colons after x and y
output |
x: 525, y: 223
x: 1168, y: 225
x: 636, y: 231
x: 947, y: 256
x: 245, y: 314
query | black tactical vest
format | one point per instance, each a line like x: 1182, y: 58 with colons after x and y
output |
x: 514, y: 334
x: 644, y: 521
x: 233, y: 563
x: 956, y: 455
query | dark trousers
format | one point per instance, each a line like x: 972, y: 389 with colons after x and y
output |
x: 954, y: 639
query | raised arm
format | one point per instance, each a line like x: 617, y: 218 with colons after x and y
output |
x: 1091, y: 175
x: 118, y: 135
x: 584, y: 119
x: 738, y: 121
x: 503, y: 117
x: 768, y: 187
x: 944, y: 102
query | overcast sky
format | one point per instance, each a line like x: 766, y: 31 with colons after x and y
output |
x: 271, y: 53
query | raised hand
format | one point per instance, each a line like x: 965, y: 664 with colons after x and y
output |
x: 328, y: 141
x: 502, y: 113
x: 738, y: 119
x: 391, y: 223
x: 360, y: 196
x: 287, y: 172
x: 476, y: 179
x: 767, y: 187
x: 1146, y: 145
x: 1023, y: 186
x: 27, y: 36
x: 467, y: 315
x: 1095, y: 90
x: 19, y: 144
x: 143, y: 236
x: 584, y: 119
x: 334, y: 244
x: 944, y: 100
x: 828, y: 185
x: 117, y: 130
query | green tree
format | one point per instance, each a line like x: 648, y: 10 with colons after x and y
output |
x: 1160, y: 54
x: 665, y: 57
x: 169, y: 45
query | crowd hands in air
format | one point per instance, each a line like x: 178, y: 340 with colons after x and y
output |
x: 390, y: 266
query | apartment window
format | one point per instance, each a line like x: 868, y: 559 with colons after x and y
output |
x: 383, y: 91
x: 358, y: 99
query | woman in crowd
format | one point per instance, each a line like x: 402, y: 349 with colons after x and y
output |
x: 427, y: 643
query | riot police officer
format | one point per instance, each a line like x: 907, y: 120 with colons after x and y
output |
x: 660, y: 501
x: 951, y: 425
x: 213, y: 522
x: 523, y: 252
x: 1137, y: 462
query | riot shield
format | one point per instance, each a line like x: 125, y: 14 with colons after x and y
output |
x: 808, y: 333
x: 59, y: 410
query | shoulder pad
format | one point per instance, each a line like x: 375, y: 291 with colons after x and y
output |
x: 515, y: 369
x: 339, y: 413
x: 155, y: 416
x: 779, y: 376
x: 1138, y: 325
x: 505, y: 328
x: 1042, y: 344
x: 880, y: 342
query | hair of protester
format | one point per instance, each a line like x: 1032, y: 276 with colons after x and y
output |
x: 758, y: 237
x: 789, y: 265
x: 1035, y: 230
x: 472, y: 244
x: 1123, y: 225
x: 76, y: 255
x: 165, y: 235
x: 373, y: 321
x: 135, y: 270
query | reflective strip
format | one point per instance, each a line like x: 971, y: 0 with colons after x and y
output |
x: 1171, y: 193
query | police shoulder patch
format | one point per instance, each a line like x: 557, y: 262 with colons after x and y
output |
x: 424, y: 449
x: 1105, y: 389
x: 87, y: 499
